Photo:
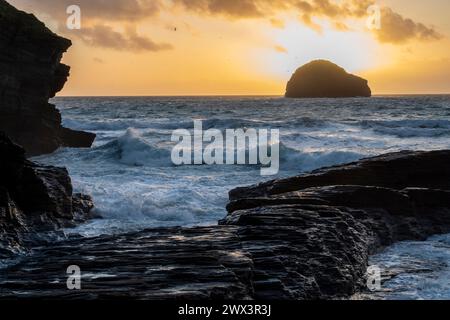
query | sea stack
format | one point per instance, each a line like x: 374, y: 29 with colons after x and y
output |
x: 324, y: 79
x: 31, y: 74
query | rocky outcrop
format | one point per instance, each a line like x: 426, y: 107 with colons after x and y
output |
x: 31, y: 74
x: 307, y: 237
x: 396, y: 171
x: 34, y: 198
x: 324, y: 79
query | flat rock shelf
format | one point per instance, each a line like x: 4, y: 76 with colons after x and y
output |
x: 306, y: 237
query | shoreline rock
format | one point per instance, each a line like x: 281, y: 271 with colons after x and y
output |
x: 302, y: 238
x: 34, y: 198
x: 324, y: 79
x: 31, y: 74
x: 394, y: 170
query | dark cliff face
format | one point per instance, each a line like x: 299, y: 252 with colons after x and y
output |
x: 34, y: 198
x: 323, y: 79
x: 31, y: 74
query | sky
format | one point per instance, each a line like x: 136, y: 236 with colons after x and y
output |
x: 248, y: 47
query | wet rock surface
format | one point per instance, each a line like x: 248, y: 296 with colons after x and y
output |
x: 307, y: 237
x: 34, y: 198
x: 31, y: 74
x: 430, y: 170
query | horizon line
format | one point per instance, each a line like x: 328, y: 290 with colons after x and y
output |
x: 234, y: 95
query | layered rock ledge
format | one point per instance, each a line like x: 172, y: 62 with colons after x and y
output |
x: 324, y: 79
x: 34, y: 199
x: 31, y: 74
x: 306, y: 237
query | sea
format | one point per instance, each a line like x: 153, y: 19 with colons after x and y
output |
x: 135, y: 185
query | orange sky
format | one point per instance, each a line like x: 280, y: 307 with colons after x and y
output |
x: 246, y: 47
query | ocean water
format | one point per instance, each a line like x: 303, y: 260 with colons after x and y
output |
x: 135, y: 185
x: 415, y: 270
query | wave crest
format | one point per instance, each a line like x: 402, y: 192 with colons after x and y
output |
x: 409, y: 128
x: 292, y: 159
x: 131, y: 149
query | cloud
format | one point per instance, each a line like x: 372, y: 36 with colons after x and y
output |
x: 112, y: 10
x: 106, y: 37
x: 280, y: 49
x: 267, y: 8
x: 95, y: 17
x: 136, y: 10
x: 397, y: 29
x: 229, y: 8
x: 340, y: 26
x: 307, y: 20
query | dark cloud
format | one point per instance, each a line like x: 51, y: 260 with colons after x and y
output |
x: 397, y: 29
x: 106, y: 37
x: 95, y: 15
x: 231, y: 8
x: 267, y: 8
x: 113, y: 10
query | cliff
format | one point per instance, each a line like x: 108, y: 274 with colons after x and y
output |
x: 324, y: 79
x: 306, y: 237
x: 31, y: 74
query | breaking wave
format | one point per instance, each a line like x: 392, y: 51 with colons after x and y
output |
x: 130, y: 149
x: 292, y: 159
x: 133, y: 149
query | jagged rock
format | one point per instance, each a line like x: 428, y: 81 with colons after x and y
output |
x: 34, y: 197
x: 395, y: 170
x: 31, y: 74
x: 285, y: 239
x: 324, y: 79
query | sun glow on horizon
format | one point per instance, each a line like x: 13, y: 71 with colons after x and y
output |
x: 353, y: 50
